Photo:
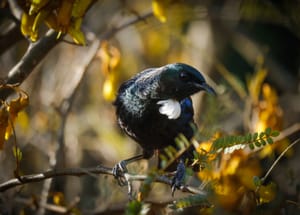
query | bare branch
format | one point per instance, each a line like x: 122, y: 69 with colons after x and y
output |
x: 34, y: 54
x: 25, y: 179
x: 52, y: 173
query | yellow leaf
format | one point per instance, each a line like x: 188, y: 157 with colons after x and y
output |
x: 23, y: 120
x: 16, y: 105
x: 58, y: 198
x: 109, y: 88
x: 110, y: 61
x: 36, y: 6
x: 40, y: 17
x: 51, y: 22
x: 64, y: 15
x: 267, y: 193
x: 232, y: 165
x: 8, y: 132
x: 159, y: 8
x: 255, y: 84
x: 27, y: 22
x: 17, y: 153
x: 110, y: 58
x: 76, y: 33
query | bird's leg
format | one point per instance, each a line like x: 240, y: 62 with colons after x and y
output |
x: 120, y: 168
x: 178, y: 177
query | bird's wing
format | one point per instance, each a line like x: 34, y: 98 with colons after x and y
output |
x: 147, y: 83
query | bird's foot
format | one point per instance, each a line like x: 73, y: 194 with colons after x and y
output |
x: 178, y: 177
x: 118, y: 172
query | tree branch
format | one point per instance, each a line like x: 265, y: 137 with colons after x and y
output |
x: 25, y: 179
x: 37, y: 51
x: 33, y: 56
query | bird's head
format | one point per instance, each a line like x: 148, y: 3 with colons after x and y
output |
x: 180, y: 80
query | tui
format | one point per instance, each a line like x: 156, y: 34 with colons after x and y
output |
x: 155, y: 106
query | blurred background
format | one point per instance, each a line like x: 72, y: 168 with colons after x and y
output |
x: 249, y: 51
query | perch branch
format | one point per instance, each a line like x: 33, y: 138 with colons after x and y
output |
x: 25, y: 179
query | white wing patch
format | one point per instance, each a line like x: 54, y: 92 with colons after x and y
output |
x: 170, y: 107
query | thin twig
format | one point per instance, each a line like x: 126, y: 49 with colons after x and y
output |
x: 277, y: 160
x: 115, y: 30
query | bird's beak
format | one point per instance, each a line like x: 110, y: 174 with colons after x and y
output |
x: 207, y: 88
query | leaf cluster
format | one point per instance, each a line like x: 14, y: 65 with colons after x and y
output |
x: 254, y: 140
x: 171, y: 153
x: 9, y: 111
x: 62, y: 16
x: 190, y: 201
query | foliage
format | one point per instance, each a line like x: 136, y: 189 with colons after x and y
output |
x: 191, y: 201
x: 110, y: 58
x: 257, y: 139
x: 62, y: 16
x: 9, y: 112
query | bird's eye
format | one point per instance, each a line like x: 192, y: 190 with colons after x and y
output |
x: 184, y: 76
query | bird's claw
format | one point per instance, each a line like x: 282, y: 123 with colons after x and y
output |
x: 179, y: 177
x: 118, y: 172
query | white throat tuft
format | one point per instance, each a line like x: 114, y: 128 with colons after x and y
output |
x: 170, y: 107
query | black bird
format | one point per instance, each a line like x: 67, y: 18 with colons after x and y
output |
x: 155, y: 106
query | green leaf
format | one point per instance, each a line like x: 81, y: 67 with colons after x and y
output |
x: 275, y: 133
x: 225, y: 141
x: 184, y: 140
x: 230, y: 141
x: 269, y: 140
x: 261, y: 135
x: 196, y: 154
x: 248, y: 137
x: 172, y: 150
x: 251, y: 146
x: 256, y: 181
x: 257, y: 143
x: 254, y: 137
x: 190, y: 201
x: 133, y: 208
x: 268, y: 131
x: 163, y: 163
x: 169, y: 153
x: 239, y: 139
x: 263, y: 142
x: 179, y: 144
x: 221, y: 142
